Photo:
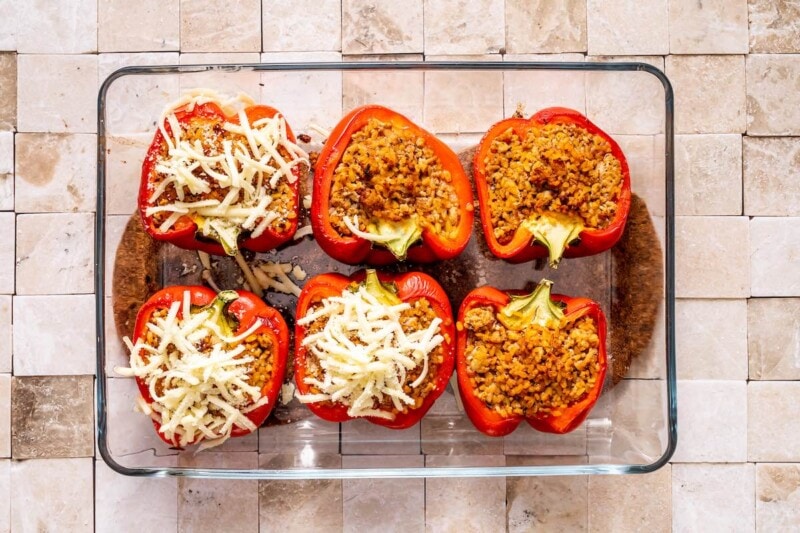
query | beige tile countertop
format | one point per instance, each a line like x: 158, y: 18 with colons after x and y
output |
x: 735, y: 68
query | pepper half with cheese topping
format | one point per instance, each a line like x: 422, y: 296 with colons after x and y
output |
x: 208, y: 366
x: 379, y: 348
x: 221, y: 174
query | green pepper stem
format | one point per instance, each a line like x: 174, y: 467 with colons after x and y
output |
x: 385, y: 293
x: 219, y: 312
x: 554, y: 231
x: 397, y: 237
x: 534, y: 308
x: 228, y: 238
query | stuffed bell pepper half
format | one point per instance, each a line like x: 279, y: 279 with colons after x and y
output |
x: 386, y: 190
x: 534, y: 357
x: 379, y: 348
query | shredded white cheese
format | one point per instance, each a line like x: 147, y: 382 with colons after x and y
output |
x: 275, y: 276
x: 362, y: 372
x: 204, y: 393
x: 247, y: 170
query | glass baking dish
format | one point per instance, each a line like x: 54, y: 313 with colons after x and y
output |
x: 632, y: 429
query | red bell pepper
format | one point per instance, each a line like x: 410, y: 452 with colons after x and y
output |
x: 389, y: 289
x: 235, y: 312
x: 550, y: 234
x: 354, y: 249
x: 186, y: 232
x: 519, y: 312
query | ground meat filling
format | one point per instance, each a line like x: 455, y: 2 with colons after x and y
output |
x: 418, y: 317
x: 210, y: 133
x: 388, y: 173
x: 559, y: 168
x: 533, y: 372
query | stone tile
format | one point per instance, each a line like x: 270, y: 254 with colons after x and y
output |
x: 8, y: 90
x: 773, y: 338
x: 55, y: 253
x: 698, y: 110
x: 626, y: 103
x: 774, y: 26
x: 52, y: 416
x: 713, y: 421
x: 773, y: 101
x: 5, y: 416
x: 52, y: 495
x: 291, y: 92
x: 207, y: 26
x: 709, y: 257
x: 381, y: 27
x: 708, y: 174
x: 8, y: 30
x: 710, y: 27
x: 115, y: 227
x: 6, y: 171
x: 225, y: 82
x: 446, y: 430
x: 301, y: 25
x: 620, y: 28
x: 5, y: 484
x: 772, y: 176
x: 713, y: 497
x: 370, y: 504
x: 360, y: 437
x: 545, y: 27
x: 313, y: 433
x: 124, y: 156
x: 218, y: 504
x: 711, y: 339
x: 55, y: 172
x: 400, y: 90
x: 70, y: 27
x: 5, y: 334
x: 774, y: 256
x: 464, y: 27
x: 557, y: 503
x: 651, y: 364
x: 318, y: 501
x: 537, y: 89
x: 41, y: 333
x: 157, y: 26
x: 777, y: 497
x: 57, y: 93
x: 127, y: 504
x: 773, y: 421
x: 7, y: 226
x: 481, y: 502
x: 641, y: 502
x: 134, y: 102
x: 645, y: 156
x: 526, y: 441
x: 463, y: 101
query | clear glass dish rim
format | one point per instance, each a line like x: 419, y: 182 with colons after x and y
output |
x: 415, y: 472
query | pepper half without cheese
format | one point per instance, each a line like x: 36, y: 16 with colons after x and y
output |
x: 536, y: 357
x: 386, y: 190
x: 551, y: 185
x: 208, y: 366
x: 378, y: 348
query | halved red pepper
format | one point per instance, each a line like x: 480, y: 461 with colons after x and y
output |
x: 186, y: 232
x: 389, y: 289
x: 517, y: 311
x: 237, y: 311
x: 353, y: 249
x: 552, y: 234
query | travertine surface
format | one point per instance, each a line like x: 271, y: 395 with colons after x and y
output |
x: 8, y: 90
x: 464, y: 27
x: 301, y: 25
x: 5, y: 334
x: 774, y: 26
x: 544, y: 26
x: 52, y: 416
x: 208, y: 26
x: 777, y: 497
x: 537, y: 89
x: 6, y: 171
x: 70, y: 27
x: 773, y: 95
x: 5, y: 494
x: 713, y: 497
x: 700, y: 110
x: 775, y: 256
x: 713, y: 339
x: 7, y: 229
x: 124, y: 155
x: 708, y: 27
x: 55, y: 172
x: 631, y: 503
x: 628, y: 27
x: 157, y: 26
x: 771, y: 176
x: 401, y: 91
x: 381, y: 27
x: 463, y: 102
x: 773, y: 338
x: 773, y: 421
x: 5, y: 416
x: 8, y: 24
x: 708, y: 174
